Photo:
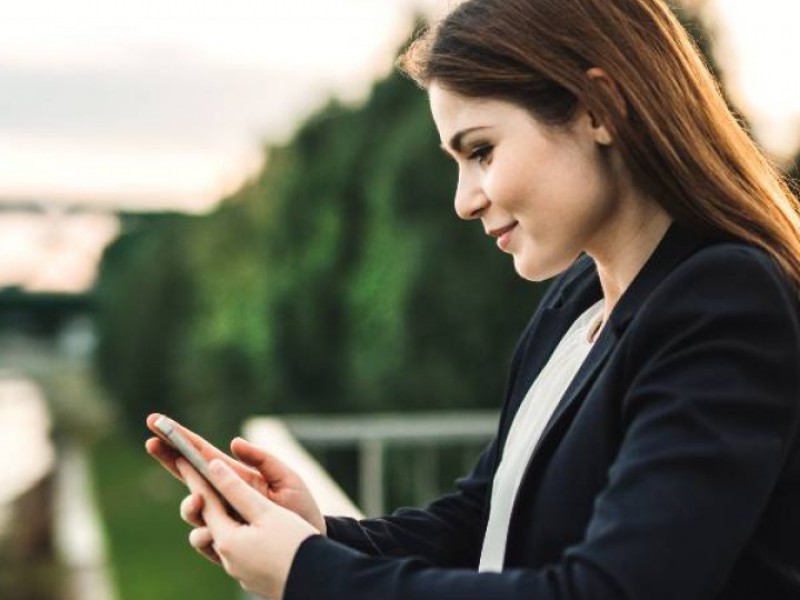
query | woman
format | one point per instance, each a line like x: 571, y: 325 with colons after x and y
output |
x: 648, y: 444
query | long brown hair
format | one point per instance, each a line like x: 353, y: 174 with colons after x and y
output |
x: 676, y: 134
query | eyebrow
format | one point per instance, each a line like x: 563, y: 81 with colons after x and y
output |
x: 457, y: 139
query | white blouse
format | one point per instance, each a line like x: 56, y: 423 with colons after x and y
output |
x: 535, y: 411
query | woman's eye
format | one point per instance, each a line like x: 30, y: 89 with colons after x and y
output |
x: 481, y: 153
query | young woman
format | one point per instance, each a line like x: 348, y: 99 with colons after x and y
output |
x: 648, y: 446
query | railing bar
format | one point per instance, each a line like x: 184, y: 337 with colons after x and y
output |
x: 342, y: 442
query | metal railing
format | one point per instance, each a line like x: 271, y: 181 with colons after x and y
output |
x: 372, y: 436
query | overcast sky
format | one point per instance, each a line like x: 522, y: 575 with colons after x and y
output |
x: 167, y: 103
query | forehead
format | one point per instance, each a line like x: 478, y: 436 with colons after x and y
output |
x: 454, y: 112
x: 450, y: 109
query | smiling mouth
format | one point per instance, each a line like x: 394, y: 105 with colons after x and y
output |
x: 504, y: 236
x: 498, y: 233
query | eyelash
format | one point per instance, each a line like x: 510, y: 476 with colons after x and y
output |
x: 481, y: 153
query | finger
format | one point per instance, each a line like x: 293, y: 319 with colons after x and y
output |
x: 214, y: 513
x: 163, y: 453
x: 167, y: 455
x: 207, y: 450
x: 192, y: 509
x: 196, y: 483
x: 243, y: 498
x: 201, y: 540
x: 270, y: 467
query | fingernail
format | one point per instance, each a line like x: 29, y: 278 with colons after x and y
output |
x: 216, y: 467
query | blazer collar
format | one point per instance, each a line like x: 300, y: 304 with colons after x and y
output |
x: 580, y: 290
x: 583, y: 289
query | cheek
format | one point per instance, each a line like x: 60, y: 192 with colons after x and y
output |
x: 510, y: 184
x: 575, y: 185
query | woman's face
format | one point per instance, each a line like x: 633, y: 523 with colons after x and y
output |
x: 545, y: 195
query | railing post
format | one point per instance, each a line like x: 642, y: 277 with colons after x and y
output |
x: 370, y: 477
x: 426, y: 468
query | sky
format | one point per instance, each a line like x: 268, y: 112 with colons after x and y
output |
x: 759, y: 47
x: 167, y: 104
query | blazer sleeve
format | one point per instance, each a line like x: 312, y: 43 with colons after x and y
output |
x: 709, y: 415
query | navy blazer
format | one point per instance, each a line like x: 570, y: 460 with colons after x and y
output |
x: 670, y: 469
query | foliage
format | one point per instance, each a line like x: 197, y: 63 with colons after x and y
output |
x: 144, y: 298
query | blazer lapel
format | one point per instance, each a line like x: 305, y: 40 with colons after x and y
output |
x: 678, y: 242
x: 552, y: 322
x: 576, y: 391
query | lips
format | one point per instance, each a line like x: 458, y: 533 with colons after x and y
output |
x: 497, y: 233
x: 505, y: 239
x: 503, y: 235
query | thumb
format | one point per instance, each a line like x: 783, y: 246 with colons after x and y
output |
x: 270, y: 467
x: 241, y: 496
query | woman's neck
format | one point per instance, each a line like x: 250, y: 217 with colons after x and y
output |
x: 627, y: 249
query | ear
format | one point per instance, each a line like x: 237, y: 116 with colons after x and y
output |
x: 599, y: 77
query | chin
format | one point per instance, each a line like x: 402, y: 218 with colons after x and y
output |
x: 538, y: 271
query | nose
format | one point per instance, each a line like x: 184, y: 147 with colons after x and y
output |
x: 470, y: 201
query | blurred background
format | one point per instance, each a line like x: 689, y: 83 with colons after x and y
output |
x: 225, y: 209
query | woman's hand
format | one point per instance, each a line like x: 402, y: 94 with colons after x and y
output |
x: 258, y: 553
x: 263, y: 472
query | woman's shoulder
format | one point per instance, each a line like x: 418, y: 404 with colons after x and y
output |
x: 727, y: 306
x: 731, y: 267
x: 725, y: 254
x: 734, y: 284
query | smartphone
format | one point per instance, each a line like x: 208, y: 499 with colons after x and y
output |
x: 175, y: 438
